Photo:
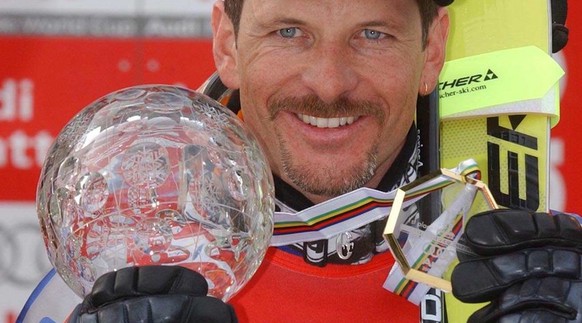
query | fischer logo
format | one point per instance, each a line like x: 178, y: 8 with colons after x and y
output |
x: 467, y: 80
x: 466, y: 84
x: 19, y: 149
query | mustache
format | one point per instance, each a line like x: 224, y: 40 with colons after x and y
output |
x: 312, y: 105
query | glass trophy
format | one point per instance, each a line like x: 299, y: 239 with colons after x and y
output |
x: 424, y: 249
x: 156, y: 175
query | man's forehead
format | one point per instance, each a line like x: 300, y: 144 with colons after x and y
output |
x: 265, y: 7
x: 275, y: 2
x: 332, y: 12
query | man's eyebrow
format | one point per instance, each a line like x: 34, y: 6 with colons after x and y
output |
x: 377, y: 23
x: 281, y: 21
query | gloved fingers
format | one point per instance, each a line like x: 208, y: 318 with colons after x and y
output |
x: 529, y: 316
x: 464, y: 252
x: 147, y: 280
x: 210, y: 309
x: 160, y: 308
x: 548, y: 299
x: 501, y: 231
x: 484, y: 279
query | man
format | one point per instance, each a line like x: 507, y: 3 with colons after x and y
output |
x: 330, y: 88
x: 300, y: 71
x: 310, y: 91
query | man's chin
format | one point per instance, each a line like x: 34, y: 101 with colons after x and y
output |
x: 327, y: 173
x: 328, y: 182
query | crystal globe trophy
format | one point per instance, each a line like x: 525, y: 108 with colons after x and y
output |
x: 156, y: 175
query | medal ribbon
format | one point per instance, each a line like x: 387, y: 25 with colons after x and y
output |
x: 350, y: 211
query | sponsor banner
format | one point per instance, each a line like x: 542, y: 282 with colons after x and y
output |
x: 54, y: 64
x: 54, y: 78
x: 89, y: 25
x: 108, y: 7
x: 90, y: 18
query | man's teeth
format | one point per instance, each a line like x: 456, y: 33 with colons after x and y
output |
x: 327, y: 122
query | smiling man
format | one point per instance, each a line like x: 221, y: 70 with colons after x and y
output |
x: 330, y: 87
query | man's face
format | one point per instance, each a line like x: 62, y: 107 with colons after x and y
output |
x: 328, y: 87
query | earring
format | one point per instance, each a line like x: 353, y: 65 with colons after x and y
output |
x: 425, y: 88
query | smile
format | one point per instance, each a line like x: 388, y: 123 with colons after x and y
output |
x: 327, y: 122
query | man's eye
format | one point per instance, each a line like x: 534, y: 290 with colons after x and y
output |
x: 288, y: 32
x: 373, y: 34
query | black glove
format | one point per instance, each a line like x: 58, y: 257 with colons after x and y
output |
x: 151, y: 294
x: 529, y: 265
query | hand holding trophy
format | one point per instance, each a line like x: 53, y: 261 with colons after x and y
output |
x: 156, y: 175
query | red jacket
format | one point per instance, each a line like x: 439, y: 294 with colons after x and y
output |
x: 286, y: 289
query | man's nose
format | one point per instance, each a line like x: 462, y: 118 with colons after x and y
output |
x: 330, y: 74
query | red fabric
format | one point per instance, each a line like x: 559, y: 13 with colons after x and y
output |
x: 286, y: 289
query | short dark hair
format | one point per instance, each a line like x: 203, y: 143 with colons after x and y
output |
x: 427, y: 8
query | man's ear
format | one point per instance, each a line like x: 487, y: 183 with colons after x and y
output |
x: 435, y: 52
x: 224, y: 46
